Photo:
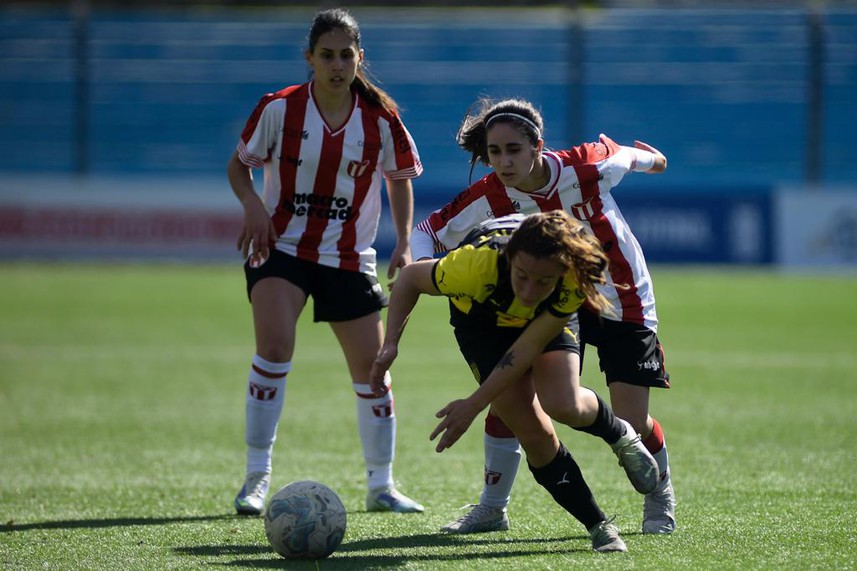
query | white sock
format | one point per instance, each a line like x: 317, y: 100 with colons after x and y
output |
x: 663, y: 460
x: 266, y: 393
x: 376, y: 423
x: 502, y: 458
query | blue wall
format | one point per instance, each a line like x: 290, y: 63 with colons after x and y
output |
x: 723, y: 93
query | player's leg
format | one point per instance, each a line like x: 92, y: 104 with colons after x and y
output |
x: 557, y: 379
x: 632, y: 359
x: 276, y: 305
x: 502, y: 459
x: 553, y: 466
x: 361, y: 339
x: 631, y: 402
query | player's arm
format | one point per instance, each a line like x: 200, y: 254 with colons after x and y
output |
x: 414, y: 280
x: 422, y: 244
x: 258, y: 230
x: 648, y: 159
x: 401, y: 195
x: 459, y: 414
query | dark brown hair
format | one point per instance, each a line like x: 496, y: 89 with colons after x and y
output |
x: 340, y: 19
x: 558, y: 236
x: 473, y: 132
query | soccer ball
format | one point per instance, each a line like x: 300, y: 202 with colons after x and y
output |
x: 305, y: 520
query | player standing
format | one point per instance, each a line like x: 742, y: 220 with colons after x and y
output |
x: 325, y: 146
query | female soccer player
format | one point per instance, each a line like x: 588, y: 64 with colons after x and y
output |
x: 508, y: 136
x: 511, y: 296
x: 325, y: 146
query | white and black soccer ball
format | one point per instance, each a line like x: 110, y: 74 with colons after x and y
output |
x: 305, y: 520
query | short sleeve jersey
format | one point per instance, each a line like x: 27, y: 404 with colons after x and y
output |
x: 322, y: 186
x: 477, y: 281
x: 580, y: 183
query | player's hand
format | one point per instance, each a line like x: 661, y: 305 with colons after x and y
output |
x: 457, y: 417
x: 378, y: 374
x: 399, y: 258
x: 258, y: 232
x: 660, y: 160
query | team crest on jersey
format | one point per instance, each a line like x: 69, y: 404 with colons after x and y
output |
x: 356, y: 169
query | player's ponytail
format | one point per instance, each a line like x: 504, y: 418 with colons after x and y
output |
x: 340, y: 19
x: 558, y: 236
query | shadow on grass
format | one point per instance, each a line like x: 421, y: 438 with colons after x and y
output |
x: 401, y: 549
x: 108, y: 522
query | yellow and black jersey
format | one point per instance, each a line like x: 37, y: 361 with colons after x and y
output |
x: 477, y: 280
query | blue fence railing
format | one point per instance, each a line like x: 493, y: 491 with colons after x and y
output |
x: 726, y: 94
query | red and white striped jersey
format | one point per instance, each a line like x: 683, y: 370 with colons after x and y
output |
x: 323, y: 187
x: 580, y: 183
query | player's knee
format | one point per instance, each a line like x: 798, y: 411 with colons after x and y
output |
x: 567, y: 411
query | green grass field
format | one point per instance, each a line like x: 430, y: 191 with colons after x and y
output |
x: 121, y: 430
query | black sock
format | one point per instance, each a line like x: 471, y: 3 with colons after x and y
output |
x: 606, y: 425
x: 563, y: 480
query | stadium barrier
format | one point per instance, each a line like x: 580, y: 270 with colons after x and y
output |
x: 199, y: 220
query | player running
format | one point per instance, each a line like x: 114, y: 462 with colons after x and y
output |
x: 507, y: 136
x: 512, y: 289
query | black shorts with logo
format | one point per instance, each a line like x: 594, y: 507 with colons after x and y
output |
x: 338, y: 295
x: 627, y: 352
x: 483, y: 347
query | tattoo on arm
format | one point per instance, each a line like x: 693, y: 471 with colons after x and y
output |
x: 508, y: 360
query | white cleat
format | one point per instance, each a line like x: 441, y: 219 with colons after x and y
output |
x: 639, y: 464
x: 251, y: 498
x: 480, y: 519
x: 659, y: 509
x: 391, y: 500
x: 605, y: 537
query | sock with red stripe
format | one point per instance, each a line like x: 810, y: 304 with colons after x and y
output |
x: 502, y: 459
x: 266, y: 393
x: 376, y: 423
x: 657, y: 445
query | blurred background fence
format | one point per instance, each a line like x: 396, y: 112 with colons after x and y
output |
x: 116, y: 121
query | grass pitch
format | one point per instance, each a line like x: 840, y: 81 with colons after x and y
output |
x: 121, y: 430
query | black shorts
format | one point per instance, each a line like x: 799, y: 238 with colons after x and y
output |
x: 483, y: 347
x: 338, y: 295
x: 627, y: 352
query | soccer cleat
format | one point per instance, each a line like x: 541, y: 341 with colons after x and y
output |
x: 659, y: 510
x: 480, y: 519
x: 605, y: 537
x: 251, y: 499
x: 639, y: 465
x: 391, y: 500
